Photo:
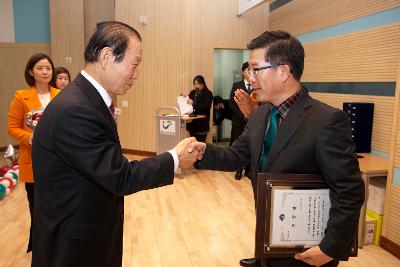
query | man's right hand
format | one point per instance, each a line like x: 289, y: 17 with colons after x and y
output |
x: 186, y: 158
x: 199, y: 147
x: 245, y: 102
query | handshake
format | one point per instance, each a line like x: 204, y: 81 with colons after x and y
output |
x: 189, y: 151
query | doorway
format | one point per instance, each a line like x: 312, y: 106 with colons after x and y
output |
x: 227, y: 70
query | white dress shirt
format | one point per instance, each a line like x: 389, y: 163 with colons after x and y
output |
x: 44, y: 99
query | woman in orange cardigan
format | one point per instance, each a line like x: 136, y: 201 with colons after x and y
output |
x: 39, y: 72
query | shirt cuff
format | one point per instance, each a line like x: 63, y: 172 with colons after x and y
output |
x: 175, y: 157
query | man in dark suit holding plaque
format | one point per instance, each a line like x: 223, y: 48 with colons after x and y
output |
x: 81, y: 173
x: 294, y: 133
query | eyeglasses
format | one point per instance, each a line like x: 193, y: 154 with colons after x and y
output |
x: 253, y: 71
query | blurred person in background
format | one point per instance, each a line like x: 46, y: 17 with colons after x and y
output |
x: 201, y: 99
x: 27, y: 104
x: 239, y: 121
x: 218, y: 117
x: 62, y: 78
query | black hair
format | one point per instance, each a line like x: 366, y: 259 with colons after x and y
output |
x: 200, y: 80
x: 217, y: 99
x: 281, y: 49
x: 111, y: 34
x: 245, y: 66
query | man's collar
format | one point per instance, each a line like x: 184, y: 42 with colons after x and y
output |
x: 102, y: 91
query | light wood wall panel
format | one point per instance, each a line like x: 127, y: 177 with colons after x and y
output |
x: 178, y: 42
x: 365, y: 56
x: 67, y: 33
x: 383, y: 110
x: 14, y: 58
x: 96, y: 11
x: 391, y: 215
x: 303, y: 16
x: 396, y: 136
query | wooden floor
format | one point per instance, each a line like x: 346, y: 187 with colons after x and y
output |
x: 206, y: 219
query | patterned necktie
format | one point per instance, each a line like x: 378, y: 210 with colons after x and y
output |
x: 112, y: 109
x: 269, y: 137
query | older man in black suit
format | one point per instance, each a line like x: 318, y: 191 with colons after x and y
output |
x: 81, y: 174
x: 294, y: 133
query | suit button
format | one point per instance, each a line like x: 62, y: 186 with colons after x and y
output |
x: 122, y: 216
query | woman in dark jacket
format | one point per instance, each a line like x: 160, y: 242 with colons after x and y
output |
x: 201, y: 99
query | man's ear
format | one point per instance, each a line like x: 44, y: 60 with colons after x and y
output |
x: 284, y: 72
x: 106, y: 57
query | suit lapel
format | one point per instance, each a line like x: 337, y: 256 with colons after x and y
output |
x: 53, y: 92
x: 259, y: 130
x: 31, y: 98
x: 243, y: 86
x: 94, y: 97
x: 295, y: 118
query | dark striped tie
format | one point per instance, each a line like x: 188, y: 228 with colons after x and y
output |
x: 112, y: 108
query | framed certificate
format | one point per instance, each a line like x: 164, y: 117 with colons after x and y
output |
x: 292, y: 214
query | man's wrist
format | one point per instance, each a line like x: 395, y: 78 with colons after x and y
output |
x: 175, y: 156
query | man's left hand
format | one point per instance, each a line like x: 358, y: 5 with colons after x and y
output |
x: 313, y: 256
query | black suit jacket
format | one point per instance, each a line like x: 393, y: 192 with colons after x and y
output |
x: 313, y: 139
x: 81, y: 178
x: 238, y: 119
x: 201, y: 106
